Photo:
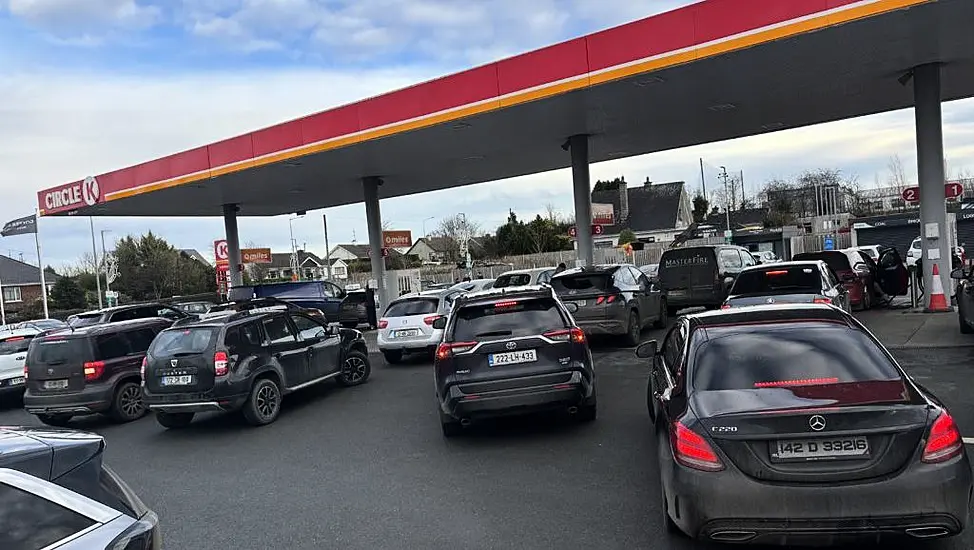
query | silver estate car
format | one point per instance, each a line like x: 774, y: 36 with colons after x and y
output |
x: 525, y: 277
x: 407, y: 324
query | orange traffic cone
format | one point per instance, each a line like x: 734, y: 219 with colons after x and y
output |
x: 938, y: 301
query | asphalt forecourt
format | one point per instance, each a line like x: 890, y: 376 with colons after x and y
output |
x: 367, y: 467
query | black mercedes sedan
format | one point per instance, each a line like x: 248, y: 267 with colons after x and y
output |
x: 788, y: 424
x: 55, y: 492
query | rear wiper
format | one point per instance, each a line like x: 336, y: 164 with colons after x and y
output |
x: 184, y: 354
x: 494, y: 333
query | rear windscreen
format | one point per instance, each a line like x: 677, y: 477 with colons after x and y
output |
x: 183, y: 341
x: 194, y: 308
x: 790, y: 279
x: 505, y: 319
x: 838, y: 261
x: 58, y: 351
x: 416, y: 306
x: 758, y: 356
x: 15, y: 344
x: 513, y: 279
x: 85, y: 320
x: 581, y: 282
x: 684, y: 267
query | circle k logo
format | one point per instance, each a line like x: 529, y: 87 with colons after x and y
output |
x: 90, y: 192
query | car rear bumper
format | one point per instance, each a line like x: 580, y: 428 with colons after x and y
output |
x: 87, y: 401
x: 725, y: 504
x: 385, y: 343
x: 193, y: 402
x: 525, y: 396
x: 7, y: 385
x: 603, y: 327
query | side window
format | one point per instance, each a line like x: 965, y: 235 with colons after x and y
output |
x: 29, y: 521
x: 233, y: 340
x: 730, y: 259
x: 124, y: 315
x: 545, y: 277
x: 748, y: 258
x: 639, y: 279
x: 308, y: 328
x: 278, y: 331
x: 168, y: 313
x: 250, y: 334
x: 112, y: 346
x: 140, y: 339
x: 830, y: 277
x: 330, y: 290
x: 623, y: 278
x: 673, y: 349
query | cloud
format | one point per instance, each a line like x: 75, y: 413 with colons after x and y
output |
x: 71, y: 19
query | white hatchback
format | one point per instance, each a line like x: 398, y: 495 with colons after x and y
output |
x: 13, y: 355
x: 407, y: 324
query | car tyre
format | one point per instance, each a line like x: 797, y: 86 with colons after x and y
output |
x: 127, y: 404
x: 263, y: 404
x: 671, y: 527
x: 451, y: 427
x: 867, y: 299
x: 56, y: 420
x: 393, y: 357
x: 174, y: 421
x: 633, y: 330
x: 664, y: 314
x: 356, y: 369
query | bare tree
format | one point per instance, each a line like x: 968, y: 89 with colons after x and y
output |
x: 897, y: 178
x: 452, y: 229
x: 85, y: 264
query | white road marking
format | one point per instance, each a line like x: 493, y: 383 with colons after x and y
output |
x: 969, y: 440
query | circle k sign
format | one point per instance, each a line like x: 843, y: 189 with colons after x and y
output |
x: 90, y: 192
x: 221, y: 251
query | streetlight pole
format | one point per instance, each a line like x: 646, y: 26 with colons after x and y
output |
x: 424, y: 224
x: 104, y: 263
x: 723, y: 174
x: 294, y: 246
x: 94, y: 259
x: 324, y: 219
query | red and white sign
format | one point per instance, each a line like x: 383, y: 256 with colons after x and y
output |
x: 596, y: 230
x: 911, y: 194
x: 385, y: 252
x: 953, y: 189
x: 222, y: 277
x: 71, y: 196
x: 603, y: 214
x: 221, y: 252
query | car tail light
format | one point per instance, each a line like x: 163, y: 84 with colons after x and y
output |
x: 446, y: 350
x: 430, y: 319
x: 383, y: 323
x: 725, y: 306
x: 608, y: 299
x: 945, y: 441
x: 145, y: 361
x: 25, y: 371
x: 94, y: 370
x: 692, y: 450
x: 220, y: 363
x: 573, y: 334
x: 822, y: 300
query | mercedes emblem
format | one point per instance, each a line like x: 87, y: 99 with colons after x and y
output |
x: 511, y: 345
x: 817, y: 423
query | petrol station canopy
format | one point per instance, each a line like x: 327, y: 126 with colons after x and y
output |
x: 710, y: 71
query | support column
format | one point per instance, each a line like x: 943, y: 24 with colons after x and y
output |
x: 582, y: 189
x: 374, y: 220
x: 233, y: 244
x: 930, y: 168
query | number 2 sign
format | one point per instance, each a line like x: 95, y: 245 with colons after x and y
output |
x: 911, y: 194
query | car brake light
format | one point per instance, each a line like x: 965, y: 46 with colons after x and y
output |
x: 945, y: 441
x: 94, y: 370
x: 797, y: 382
x: 383, y: 323
x: 508, y: 303
x: 430, y: 319
x: 446, y: 350
x: 692, y: 450
x: 822, y: 300
x: 573, y: 334
x: 775, y: 273
x: 25, y: 370
x: 725, y: 306
x: 145, y: 360
x: 220, y: 363
x: 607, y: 299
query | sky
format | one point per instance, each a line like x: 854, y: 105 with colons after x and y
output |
x: 91, y: 86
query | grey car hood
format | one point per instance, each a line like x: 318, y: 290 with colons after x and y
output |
x: 47, y: 453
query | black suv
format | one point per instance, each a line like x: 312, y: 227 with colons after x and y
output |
x: 88, y: 370
x: 262, y: 303
x: 246, y: 361
x: 125, y: 313
x: 507, y: 351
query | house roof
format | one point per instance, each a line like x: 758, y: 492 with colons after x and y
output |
x: 443, y: 244
x: 194, y: 254
x: 361, y: 251
x: 283, y: 259
x: 13, y: 272
x: 738, y: 218
x: 652, y: 207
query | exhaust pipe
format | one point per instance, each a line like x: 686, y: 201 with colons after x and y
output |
x: 733, y: 536
x: 572, y: 410
x: 927, y: 532
x: 464, y: 422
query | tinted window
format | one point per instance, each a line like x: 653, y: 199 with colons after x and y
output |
x: 838, y: 261
x: 777, y: 279
x: 681, y: 268
x: 415, y: 306
x: 748, y: 258
x: 112, y: 346
x: 28, y: 522
x: 85, y: 320
x: 581, y: 282
x: 168, y: 313
x: 730, y: 258
x: 756, y: 356
x: 673, y: 348
x: 247, y: 335
x: 504, y: 319
x: 330, y: 290
x: 183, y: 341
x: 196, y: 307
x: 307, y: 328
x: 15, y: 344
x: 140, y: 339
x: 278, y: 331
x: 58, y: 351
x: 512, y: 279
x: 545, y: 276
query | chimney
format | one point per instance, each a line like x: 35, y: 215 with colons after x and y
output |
x: 623, y: 200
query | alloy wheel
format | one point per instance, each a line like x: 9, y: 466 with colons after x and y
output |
x: 130, y: 401
x: 267, y: 400
x: 353, y: 370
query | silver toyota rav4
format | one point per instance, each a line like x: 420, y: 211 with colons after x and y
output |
x: 407, y: 324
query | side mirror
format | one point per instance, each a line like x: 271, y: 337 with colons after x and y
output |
x: 439, y: 323
x: 728, y: 280
x: 572, y: 307
x: 647, y: 350
x: 324, y: 332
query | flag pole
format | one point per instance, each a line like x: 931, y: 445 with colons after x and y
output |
x: 40, y: 263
